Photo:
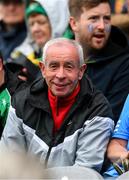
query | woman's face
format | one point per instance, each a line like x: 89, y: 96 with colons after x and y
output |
x: 40, y: 28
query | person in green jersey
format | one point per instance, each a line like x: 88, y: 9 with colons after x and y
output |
x: 10, y: 83
x: 5, y: 97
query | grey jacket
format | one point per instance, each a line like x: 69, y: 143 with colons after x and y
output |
x: 82, y: 138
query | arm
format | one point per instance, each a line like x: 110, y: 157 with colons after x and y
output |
x: 93, y: 141
x: 117, y: 150
x: 13, y: 137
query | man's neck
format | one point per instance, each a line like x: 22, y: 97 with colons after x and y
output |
x: 10, y: 27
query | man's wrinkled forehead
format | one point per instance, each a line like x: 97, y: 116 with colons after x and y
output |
x: 58, y: 49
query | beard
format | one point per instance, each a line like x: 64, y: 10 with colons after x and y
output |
x: 86, y: 48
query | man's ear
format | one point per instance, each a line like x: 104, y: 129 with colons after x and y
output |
x: 82, y: 71
x: 74, y: 24
x: 42, y: 68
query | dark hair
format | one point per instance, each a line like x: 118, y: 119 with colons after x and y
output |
x: 12, y: 1
x: 1, y: 56
x: 76, y: 6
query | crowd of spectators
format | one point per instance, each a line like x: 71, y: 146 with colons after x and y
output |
x: 64, y: 83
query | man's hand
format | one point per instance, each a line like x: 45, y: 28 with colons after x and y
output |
x: 23, y: 75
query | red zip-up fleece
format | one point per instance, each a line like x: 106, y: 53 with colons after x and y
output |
x: 61, y: 106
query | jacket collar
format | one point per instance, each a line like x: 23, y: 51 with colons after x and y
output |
x: 38, y: 93
x: 18, y: 27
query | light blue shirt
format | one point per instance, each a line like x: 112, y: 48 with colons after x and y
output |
x: 121, y: 131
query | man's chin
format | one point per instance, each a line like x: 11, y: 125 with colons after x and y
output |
x: 60, y: 94
x: 98, y: 46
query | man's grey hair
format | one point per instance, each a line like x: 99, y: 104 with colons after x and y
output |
x: 61, y: 41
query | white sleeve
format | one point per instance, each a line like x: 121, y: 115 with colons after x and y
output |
x: 92, y: 142
x: 13, y: 135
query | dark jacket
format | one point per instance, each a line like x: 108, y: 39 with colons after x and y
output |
x: 11, y: 39
x: 11, y: 85
x: 82, y: 138
x: 109, y: 70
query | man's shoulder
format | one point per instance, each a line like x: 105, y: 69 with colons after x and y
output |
x: 20, y: 96
x: 5, y: 98
x: 5, y: 93
x: 89, y: 88
x: 29, y: 90
x: 98, y: 103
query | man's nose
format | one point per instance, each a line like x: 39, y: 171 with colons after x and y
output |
x: 60, y: 73
x: 101, y: 24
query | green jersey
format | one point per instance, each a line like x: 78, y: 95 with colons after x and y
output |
x: 5, y: 100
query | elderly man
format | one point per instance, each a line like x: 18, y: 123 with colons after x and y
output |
x: 61, y: 118
x: 107, y: 48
